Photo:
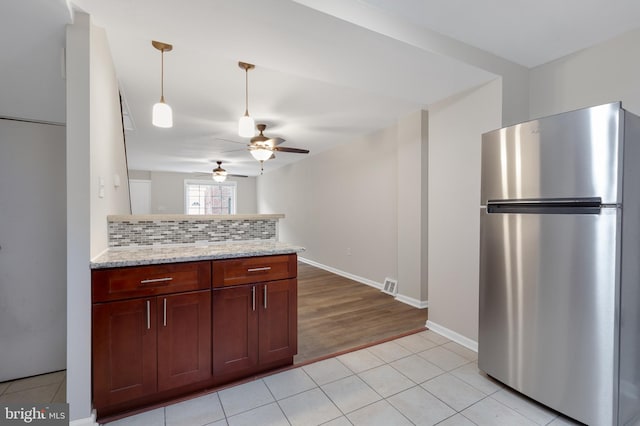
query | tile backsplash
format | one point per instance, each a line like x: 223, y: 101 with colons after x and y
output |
x: 183, y: 229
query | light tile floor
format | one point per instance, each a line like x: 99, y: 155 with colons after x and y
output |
x: 43, y: 388
x: 421, y: 379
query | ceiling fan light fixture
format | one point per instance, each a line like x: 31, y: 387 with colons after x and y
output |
x: 218, y: 177
x: 162, y: 114
x: 261, y: 153
x: 246, y: 124
x: 219, y: 174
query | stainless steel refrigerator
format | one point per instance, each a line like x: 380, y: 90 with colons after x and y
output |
x: 560, y: 262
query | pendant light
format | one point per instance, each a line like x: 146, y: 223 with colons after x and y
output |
x: 162, y: 114
x: 246, y: 125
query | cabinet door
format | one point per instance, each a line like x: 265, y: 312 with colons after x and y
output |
x: 235, y: 329
x: 124, y: 351
x: 184, y: 339
x: 278, y: 334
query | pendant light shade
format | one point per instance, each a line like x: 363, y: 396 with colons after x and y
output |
x: 246, y: 124
x: 162, y: 115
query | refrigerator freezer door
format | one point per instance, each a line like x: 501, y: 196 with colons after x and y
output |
x: 570, y: 155
x: 547, y: 308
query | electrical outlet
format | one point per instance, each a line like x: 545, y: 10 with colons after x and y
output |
x: 348, y: 251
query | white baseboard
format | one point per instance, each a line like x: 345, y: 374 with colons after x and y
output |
x: 420, y: 304
x: 87, y: 421
x: 357, y: 278
x: 452, y: 335
x: 399, y: 297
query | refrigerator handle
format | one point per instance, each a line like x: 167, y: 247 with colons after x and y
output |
x: 590, y: 205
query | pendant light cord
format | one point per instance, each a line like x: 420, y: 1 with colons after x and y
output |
x: 162, y: 75
x: 246, y: 91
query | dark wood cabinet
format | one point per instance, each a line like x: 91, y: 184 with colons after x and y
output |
x: 254, y: 325
x: 165, y: 331
x: 124, y: 351
x: 184, y: 339
x: 278, y: 326
x: 255, y: 314
x: 145, y: 345
x: 235, y: 329
x: 152, y: 280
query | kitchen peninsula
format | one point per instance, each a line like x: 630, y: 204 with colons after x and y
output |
x: 181, y: 304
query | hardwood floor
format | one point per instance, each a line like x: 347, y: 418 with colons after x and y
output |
x: 336, y: 314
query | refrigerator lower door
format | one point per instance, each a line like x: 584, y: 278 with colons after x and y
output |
x: 548, y: 320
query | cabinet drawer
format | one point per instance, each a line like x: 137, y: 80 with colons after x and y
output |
x: 248, y: 270
x: 144, y: 281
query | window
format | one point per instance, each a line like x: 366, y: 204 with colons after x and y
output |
x: 208, y: 197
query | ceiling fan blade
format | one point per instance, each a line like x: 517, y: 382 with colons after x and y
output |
x: 232, y: 150
x: 229, y: 140
x: 287, y: 149
x: 232, y: 175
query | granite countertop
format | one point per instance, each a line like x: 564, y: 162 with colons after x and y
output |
x: 151, y: 255
x: 191, y: 217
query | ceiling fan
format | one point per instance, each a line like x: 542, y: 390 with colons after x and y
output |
x: 263, y: 148
x: 220, y: 174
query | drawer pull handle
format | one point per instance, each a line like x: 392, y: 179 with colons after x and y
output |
x: 156, y: 280
x: 148, y: 315
x: 264, y: 268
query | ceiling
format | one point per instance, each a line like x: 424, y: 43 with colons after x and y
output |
x: 327, y: 71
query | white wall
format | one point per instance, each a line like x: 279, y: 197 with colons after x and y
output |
x: 455, y: 129
x: 604, y: 73
x: 412, y: 159
x: 78, y: 220
x: 339, y: 200
x: 108, y: 162
x: 95, y: 148
x: 167, y: 191
x: 33, y: 260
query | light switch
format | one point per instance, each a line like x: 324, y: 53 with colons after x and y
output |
x: 101, y: 187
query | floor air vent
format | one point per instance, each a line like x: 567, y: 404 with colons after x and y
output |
x: 390, y: 286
